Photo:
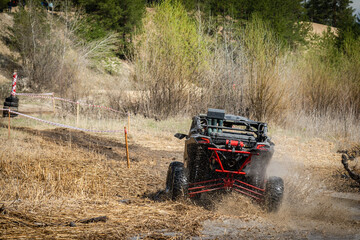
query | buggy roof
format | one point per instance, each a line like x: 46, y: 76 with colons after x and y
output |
x: 234, y: 119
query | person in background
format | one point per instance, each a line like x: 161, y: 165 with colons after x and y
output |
x: 51, y: 6
x: 45, y: 4
x: 9, y: 5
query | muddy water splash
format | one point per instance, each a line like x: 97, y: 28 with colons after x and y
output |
x: 308, y: 204
x: 308, y: 210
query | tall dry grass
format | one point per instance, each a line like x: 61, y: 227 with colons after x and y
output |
x: 330, y: 77
x: 37, y: 171
x: 326, y: 98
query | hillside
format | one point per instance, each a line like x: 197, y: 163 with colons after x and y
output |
x: 7, y: 57
x: 319, y: 29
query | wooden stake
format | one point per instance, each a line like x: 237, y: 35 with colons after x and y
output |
x: 77, y: 113
x: 127, y: 148
x: 9, y: 123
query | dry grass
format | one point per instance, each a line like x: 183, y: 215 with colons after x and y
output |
x: 53, y: 183
x: 48, y: 181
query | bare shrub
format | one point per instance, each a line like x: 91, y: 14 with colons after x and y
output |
x: 330, y: 78
x: 52, y: 55
x: 265, y: 91
x: 320, y: 89
x: 40, y: 49
x: 169, y: 56
x: 181, y: 69
x: 245, y: 72
x: 5, y: 89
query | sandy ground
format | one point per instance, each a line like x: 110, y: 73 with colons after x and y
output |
x: 319, y: 29
x: 315, y: 205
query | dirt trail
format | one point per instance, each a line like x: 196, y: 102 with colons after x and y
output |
x: 111, y: 148
x: 312, y: 209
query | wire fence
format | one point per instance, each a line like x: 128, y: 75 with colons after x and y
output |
x: 78, y: 103
x: 60, y: 124
x: 51, y: 96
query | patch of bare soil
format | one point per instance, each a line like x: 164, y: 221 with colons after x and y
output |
x: 320, y: 29
x: 135, y: 207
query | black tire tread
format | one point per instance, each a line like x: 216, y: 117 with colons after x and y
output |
x: 179, y: 184
x: 6, y: 113
x: 11, y: 104
x: 274, y: 192
x: 12, y: 99
x: 169, y: 176
x: 176, y: 182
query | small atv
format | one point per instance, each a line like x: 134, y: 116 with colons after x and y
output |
x: 224, y: 152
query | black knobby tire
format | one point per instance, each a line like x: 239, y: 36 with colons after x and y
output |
x: 274, y: 192
x: 12, y: 115
x: 12, y: 99
x: 6, y: 113
x: 169, y: 176
x: 176, y: 182
x: 11, y: 104
x: 180, y: 184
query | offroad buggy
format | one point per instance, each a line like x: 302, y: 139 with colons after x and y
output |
x: 224, y: 152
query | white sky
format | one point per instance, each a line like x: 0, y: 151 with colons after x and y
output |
x: 356, y: 5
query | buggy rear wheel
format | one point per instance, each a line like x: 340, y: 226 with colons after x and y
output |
x: 176, y: 182
x: 274, y: 191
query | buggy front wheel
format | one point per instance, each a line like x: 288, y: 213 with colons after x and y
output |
x: 274, y: 191
x: 176, y: 182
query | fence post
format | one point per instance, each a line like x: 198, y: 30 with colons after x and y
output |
x: 127, y: 148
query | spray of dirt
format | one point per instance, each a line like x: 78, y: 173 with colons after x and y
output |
x: 307, y: 210
x: 237, y: 205
x: 307, y: 202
